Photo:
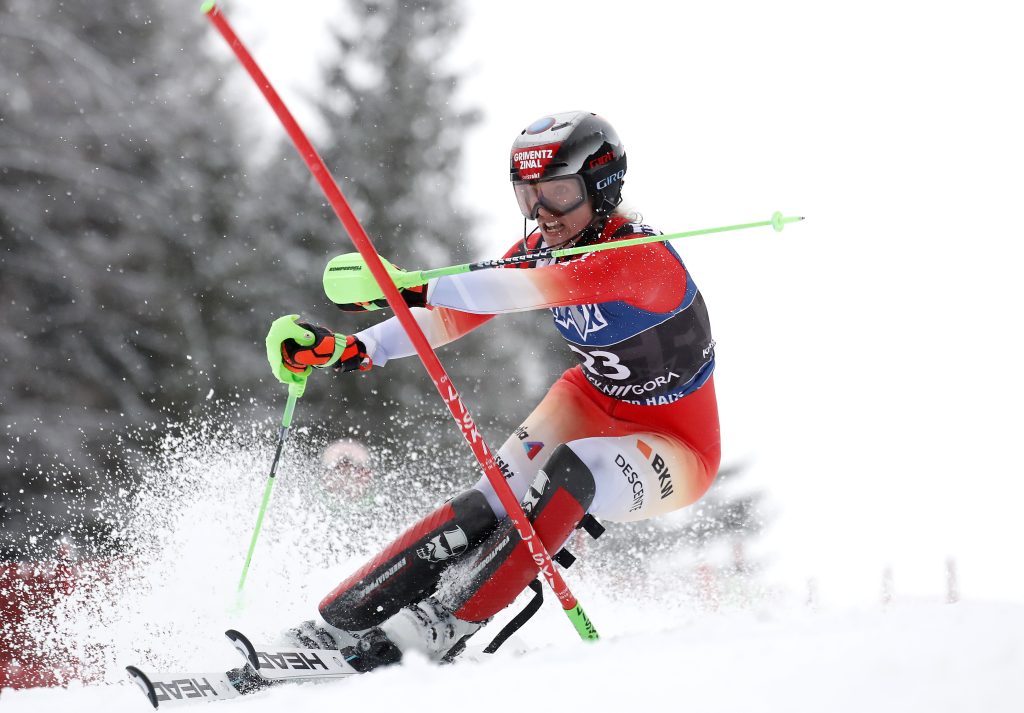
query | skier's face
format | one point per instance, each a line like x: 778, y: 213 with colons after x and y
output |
x: 561, y: 228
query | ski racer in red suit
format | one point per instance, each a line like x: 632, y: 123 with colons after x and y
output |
x: 630, y: 433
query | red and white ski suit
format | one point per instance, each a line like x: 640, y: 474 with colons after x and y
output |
x: 640, y: 409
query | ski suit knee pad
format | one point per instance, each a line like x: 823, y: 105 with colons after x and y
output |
x: 409, y: 568
x: 479, y: 587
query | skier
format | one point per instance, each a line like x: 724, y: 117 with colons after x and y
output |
x: 630, y: 433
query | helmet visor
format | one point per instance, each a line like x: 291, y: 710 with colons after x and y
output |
x: 558, y: 195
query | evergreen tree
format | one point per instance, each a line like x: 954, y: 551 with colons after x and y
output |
x: 395, y: 144
x: 115, y: 273
x: 140, y: 265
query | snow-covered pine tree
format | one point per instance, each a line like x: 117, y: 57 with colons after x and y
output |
x: 394, y: 141
x: 116, y: 263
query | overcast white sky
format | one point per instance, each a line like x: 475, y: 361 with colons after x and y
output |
x: 869, y: 359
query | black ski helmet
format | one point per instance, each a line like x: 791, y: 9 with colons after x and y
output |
x: 573, y: 142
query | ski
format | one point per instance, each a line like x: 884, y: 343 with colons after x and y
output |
x: 265, y: 666
x: 164, y: 690
x: 276, y: 664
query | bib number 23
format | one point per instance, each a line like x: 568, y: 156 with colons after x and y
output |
x: 603, y: 364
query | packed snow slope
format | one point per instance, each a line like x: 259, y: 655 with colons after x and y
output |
x: 912, y: 657
x: 681, y: 628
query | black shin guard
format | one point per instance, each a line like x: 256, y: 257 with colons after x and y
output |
x: 409, y: 569
x: 481, y: 586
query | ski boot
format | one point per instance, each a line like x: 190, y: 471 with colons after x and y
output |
x: 431, y: 629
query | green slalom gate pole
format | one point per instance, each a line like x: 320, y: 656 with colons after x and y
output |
x: 294, y: 392
x: 347, y: 280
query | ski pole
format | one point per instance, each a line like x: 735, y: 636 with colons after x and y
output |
x: 442, y: 382
x: 347, y: 281
x: 294, y: 392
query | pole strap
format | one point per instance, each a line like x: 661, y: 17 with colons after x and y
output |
x: 519, y: 619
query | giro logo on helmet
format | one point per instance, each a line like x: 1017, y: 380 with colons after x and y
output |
x: 605, y: 182
x: 602, y: 160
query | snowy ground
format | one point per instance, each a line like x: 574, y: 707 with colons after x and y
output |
x: 915, y: 656
x: 731, y: 642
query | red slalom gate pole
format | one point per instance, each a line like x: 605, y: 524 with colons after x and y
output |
x: 442, y: 382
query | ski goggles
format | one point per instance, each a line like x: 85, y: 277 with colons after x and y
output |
x: 558, y: 195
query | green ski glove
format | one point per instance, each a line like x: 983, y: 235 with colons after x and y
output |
x: 294, y: 348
